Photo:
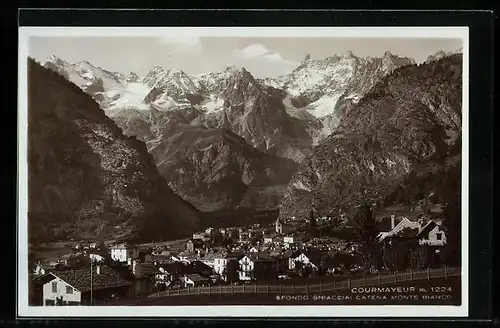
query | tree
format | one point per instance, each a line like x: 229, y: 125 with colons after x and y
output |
x: 298, y: 267
x: 367, y: 233
x: 452, y: 223
x: 313, y: 226
x: 231, y: 271
x: 217, y: 237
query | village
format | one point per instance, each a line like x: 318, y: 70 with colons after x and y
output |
x: 93, y: 273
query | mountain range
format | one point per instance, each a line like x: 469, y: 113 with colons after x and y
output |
x: 405, y: 130
x: 261, y: 128
x: 85, y: 177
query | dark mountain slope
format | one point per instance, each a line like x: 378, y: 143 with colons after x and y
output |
x: 85, y: 177
x: 216, y: 169
x: 408, y: 124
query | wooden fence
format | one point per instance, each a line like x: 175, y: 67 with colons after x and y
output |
x: 371, y: 280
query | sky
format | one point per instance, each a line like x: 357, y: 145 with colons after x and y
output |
x: 262, y: 56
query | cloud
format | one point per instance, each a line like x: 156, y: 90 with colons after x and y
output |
x: 190, y: 45
x: 259, y: 51
x: 262, y: 62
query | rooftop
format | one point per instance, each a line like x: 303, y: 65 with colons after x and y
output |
x: 194, y: 277
x: 80, y: 278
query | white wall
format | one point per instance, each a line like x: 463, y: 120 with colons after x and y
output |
x: 301, y: 258
x: 96, y: 257
x: 61, y: 291
x: 246, y: 268
x: 219, y: 265
x: 119, y: 254
x: 432, y: 237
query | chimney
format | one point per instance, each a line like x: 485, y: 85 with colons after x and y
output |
x: 393, y: 218
x: 98, y: 269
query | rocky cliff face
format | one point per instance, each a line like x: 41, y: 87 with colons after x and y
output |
x: 255, y: 112
x: 283, y: 117
x: 215, y: 169
x: 326, y: 88
x: 85, y: 177
x: 408, y: 123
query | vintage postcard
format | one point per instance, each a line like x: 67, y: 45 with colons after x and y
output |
x: 242, y: 171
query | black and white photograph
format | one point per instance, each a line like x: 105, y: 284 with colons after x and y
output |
x: 244, y: 171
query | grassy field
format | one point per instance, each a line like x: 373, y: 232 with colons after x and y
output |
x: 449, y: 294
x: 51, y: 251
x: 178, y: 244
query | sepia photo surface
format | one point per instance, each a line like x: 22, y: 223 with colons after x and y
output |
x: 194, y: 172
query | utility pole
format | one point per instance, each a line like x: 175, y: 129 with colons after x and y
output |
x: 91, y: 282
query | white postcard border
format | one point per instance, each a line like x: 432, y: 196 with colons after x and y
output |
x: 339, y: 311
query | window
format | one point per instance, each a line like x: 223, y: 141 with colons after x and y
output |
x: 439, y: 236
x: 69, y: 290
x: 54, y: 286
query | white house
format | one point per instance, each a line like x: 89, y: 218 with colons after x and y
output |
x: 304, y: 258
x: 220, y: 263
x: 432, y: 234
x: 195, y: 279
x: 121, y: 253
x: 268, y: 240
x: 247, y: 266
x: 162, y: 276
x: 278, y: 226
x: 96, y: 258
x: 41, y: 269
x: 58, y: 292
x: 253, y: 249
x: 405, y: 223
x: 71, y: 287
x: 198, y: 236
x: 256, y: 265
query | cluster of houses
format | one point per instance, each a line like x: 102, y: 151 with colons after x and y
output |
x: 96, y: 272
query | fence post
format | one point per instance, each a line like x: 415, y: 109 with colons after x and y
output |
x: 334, y: 285
x: 445, y: 273
x: 232, y: 289
x: 364, y: 280
x: 158, y: 293
x: 411, y: 274
x: 428, y: 274
x: 349, y: 283
x: 267, y: 287
x: 379, y: 278
x: 189, y: 289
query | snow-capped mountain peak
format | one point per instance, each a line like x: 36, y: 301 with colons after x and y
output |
x: 442, y: 54
x: 172, y: 82
x: 349, y: 54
